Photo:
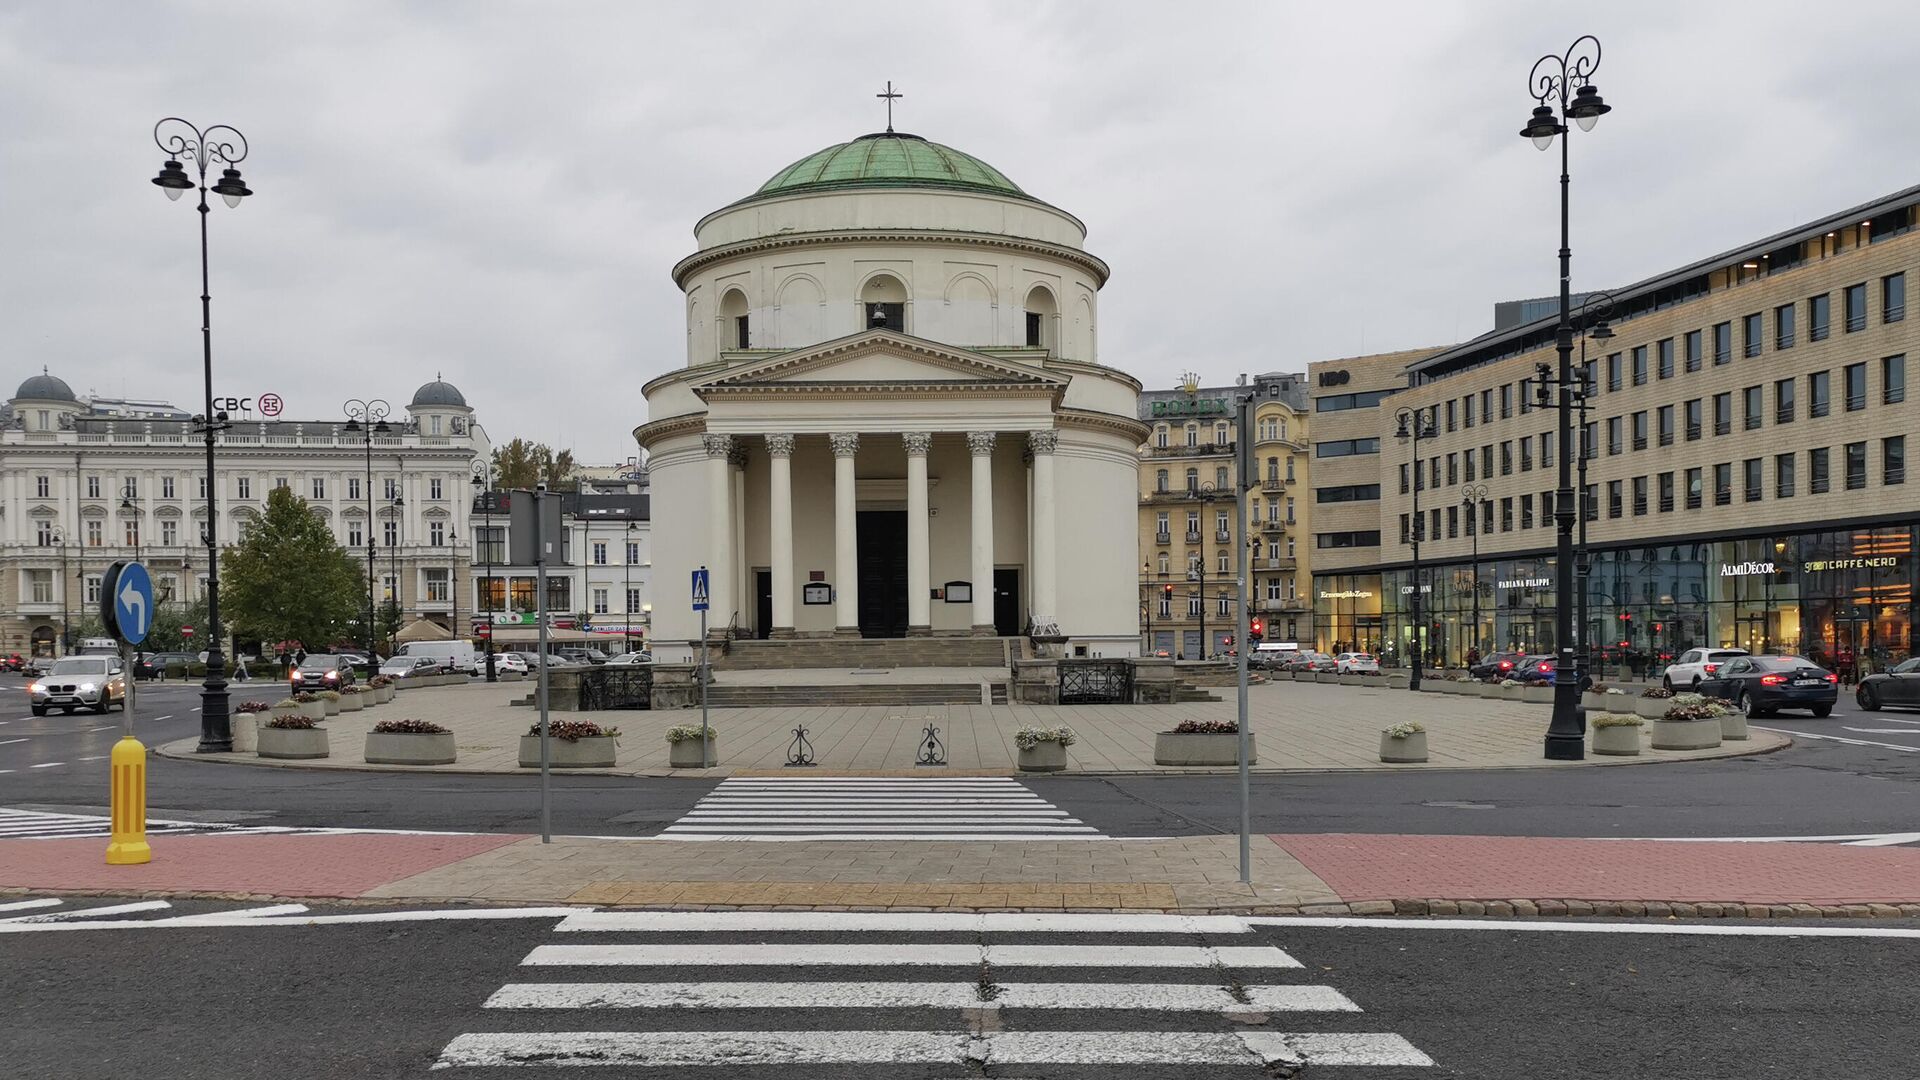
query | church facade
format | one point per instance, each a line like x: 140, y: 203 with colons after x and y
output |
x: 892, y: 421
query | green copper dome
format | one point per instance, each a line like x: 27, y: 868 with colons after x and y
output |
x: 888, y: 159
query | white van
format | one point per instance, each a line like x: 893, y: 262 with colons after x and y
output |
x: 455, y: 655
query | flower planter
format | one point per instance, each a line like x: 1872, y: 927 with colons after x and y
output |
x: 1537, y: 695
x: 1181, y: 748
x: 1622, y: 705
x: 1733, y: 727
x: 594, y: 752
x: 1486, y: 690
x: 290, y: 710
x: 332, y: 708
x: 387, y: 748
x: 351, y: 702
x: 244, y: 727
x: 685, y: 754
x: 1403, y: 751
x: 1593, y: 702
x: 1043, y: 757
x: 383, y: 694
x: 292, y: 744
x: 1685, y: 734
x: 1511, y: 693
x: 1651, y: 708
x: 1399, y: 682
x: 1617, y: 740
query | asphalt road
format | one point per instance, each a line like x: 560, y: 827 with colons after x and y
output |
x: 1850, y: 774
x: 390, y: 999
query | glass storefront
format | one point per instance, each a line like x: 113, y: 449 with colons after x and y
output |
x: 1842, y: 598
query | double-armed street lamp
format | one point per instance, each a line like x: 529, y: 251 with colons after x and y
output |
x: 369, y: 418
x: 1414, y: 426
x: 1562, y: 89
x: 1472, y: 497
x: 130, y: 502
x: 222, y: 145
x: 483, y: 489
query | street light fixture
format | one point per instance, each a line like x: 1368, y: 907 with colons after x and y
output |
x: 626, y: 597
x: 1414, y: 426
x: 58, y: 535
x: 224, y: 145
x: 396, y: 509
x: 130, y: 500
x: 369, y: 418
x: 1565, y: 82
x: 1471, y: 498
x: 483, y: 488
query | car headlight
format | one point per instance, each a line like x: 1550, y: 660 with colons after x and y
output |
x: 87, y: 688
x: 298, y: 675
x: 37, y: 688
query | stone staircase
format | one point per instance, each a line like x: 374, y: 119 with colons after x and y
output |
x: 737, y: 696
x: 750, y: 654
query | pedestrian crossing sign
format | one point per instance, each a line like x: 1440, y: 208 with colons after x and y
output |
x: 700, y: 589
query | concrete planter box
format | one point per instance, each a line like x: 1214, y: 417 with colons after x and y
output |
x: 1176, y: 748
x: 388, y: 748
x: 292, y: 744
x: 1487, y: 690
x: 1594, y: 702
x: 1651, y: 708
x: 1537, y: 695
x: 1509, y: 693
x: 1399, y: 682
x: 352, y: 702
x: 332, y: 707
x: 598, y: 752
x: 290, y: 710
x: 1620, y: 705
x: 1733, y: 727
x: 313, y: 710
x: 245, y: 727
x: 1617, y: 740
x: 1411, y: 749
x: 1348, y: 680
x: 1043, y: 757
x: 685, y: 754
x: 383, y: 694
x: 1685, y: 734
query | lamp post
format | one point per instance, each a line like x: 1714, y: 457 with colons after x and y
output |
x: 1595, y: 311
x: 1566, y: 80
x: 370, y: 419
x: 483, y: 485
x: 224, y: 145
x: 396, y: 508
x: 1146, y: 605
x: 1471, y: 497
x: 1413, y: 427
x: 130, y: 500
x: 626, y: 596
x: 59, y: 536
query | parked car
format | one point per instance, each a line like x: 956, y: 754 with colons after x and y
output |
x: 504, y: 663
x: 451, y: 655
x: 627, y: 659
x: 79, y: 682
x: 582, y: 655
x: 1271, y: 657
x: 155, y: 665
x: 1763, y: 685
x: 1356, y: 663
x: 1900, y: 686
x: 407, y: 667
x: 12, y: 662
x: 554, y: 660
x: 1308, y: 660
x: 1500, y: 663
x: 322, y: 671
x: 1696, y: 665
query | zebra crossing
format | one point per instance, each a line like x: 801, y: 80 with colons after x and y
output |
x: 963, y: 993
x: 875, y: 808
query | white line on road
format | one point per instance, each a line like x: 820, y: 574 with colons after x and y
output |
x: 49, y: 764
x: 1882, y: 730
x: 10, y: 742
x: 771, y: 838
x: 783, y: 955
x: 1889, y: 840
x: 96, y: 757
x: 22, y: 905
x: 1851, y: 839
x: 169, y: 716
x: 1843, y: 739
x: 241, y: 918
x: 1569, y: 926
x: 898, y: 922
x: 86, y: 913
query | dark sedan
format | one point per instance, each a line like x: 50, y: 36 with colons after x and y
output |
x: 1763, y: 685
x: 1901, y: 686
x: 1500, y: 663
x: 322, y: 671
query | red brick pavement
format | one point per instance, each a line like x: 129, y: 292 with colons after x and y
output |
x: 283, y: 865
x: 1389, y: 867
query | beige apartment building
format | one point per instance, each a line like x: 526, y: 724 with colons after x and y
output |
x: 1746, y: 445
x: 1189, y: 478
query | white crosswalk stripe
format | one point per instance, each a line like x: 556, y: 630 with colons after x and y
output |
x: 875, y: 808
x: 971, y: 1003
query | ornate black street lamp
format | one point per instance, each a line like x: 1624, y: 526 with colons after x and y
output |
x: 396, y: 512
x: 1595, y: 311
x: 483, y: 488
x: 1471, y: 498
x: 1566, y: 81
x: 226, y: 146
x: 369, y: 418
x: 1414, y: 426
x: 59, y: 536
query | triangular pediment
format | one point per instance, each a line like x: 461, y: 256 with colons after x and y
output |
x: 880, y: 358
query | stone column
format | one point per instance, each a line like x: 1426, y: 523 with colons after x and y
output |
x: 780, y: 531
x: 919, y: 560
x: 846, y: 537
x: 719, y: 529
x: 743, y: 594
x: 1045, y: 552
x: 980, y: 444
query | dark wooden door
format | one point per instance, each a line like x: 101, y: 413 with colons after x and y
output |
x: 1006, y: 603
x: 882, y: 536
x: 762, y: 603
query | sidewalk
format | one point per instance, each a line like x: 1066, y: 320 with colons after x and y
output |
x: 1298, y: 726
x: 1311, y: 874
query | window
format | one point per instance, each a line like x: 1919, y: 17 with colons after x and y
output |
x: 1546, y: 450
x: 43, y: 487
x: 1347, y: 493
x: 1223, y: 566
x: 1817, y: 480
x: 1752, y: 405
x: 1526, y: 453
x: 1666, y: 492
x: 1663, y: 351
x: 436, y: 533
x: 1290, y: 513
x: 1193, y: 526
x: 1526, y: 511
x: 1590, y: 439
x: 1783, y: 327
x: 1466, y: 411
x: 1160, y: 481
x: 96, y: 536
x: 1722, y: 342
x: 1663, y: 424
x: 1639, y: 365
x: 130, y: 532
x: 1856, y: 466
x: 1220, y: 437
x: 1754, y: 481
x: 434, y: 489
x: 202, y: 478
x: 1193, y: 435
x: 599, y: 553
x: 1468, y: 456
x: 1639, y: 496
x: 1506, y: 515
x: 1160, y: 436
x: 353, y: 488
x: 1346, y: 447
x: 1893, y: 460
x: 438, y: 589
x: 243, y: 487
x: 1365, y: 538
x: 1220, y: 526
x: 1342, y: 402
x: 392, y: 488
x: 356, y: 535
x: 1486, y: 460
x: 1693, y: 489
x: 1893, y: 379
x: 130, y: 488
x: 1723, y: 413
x: 1723, y: 484
x: 1783, y: 476
x: 1613, y: 435
x: 40, y: 586
x: 1855, y: 297
x: 600, y: 601
x: 1640, y: 430
x: 1613, y: 498
x: 1506, y: 400
x: 390, y: 533
x: 1819, y: 316
x: 1220, y: 478
x: 1613, y: 372
x: 1893, y: 298
x: 1164, y: 526
x: 1819, y: 393
x: 93, y: 487
x: 1693, y: 350
x: 1289, y: 468
x: 1783, y: 401
x: 1693, y: 419
x: 1406, y: 529
x: 1750, y: 335
x: 1166, y: 604
x: 490, y: 544
x: 280, y: 482
x: 1453, y: 469
x: 1486, y: 515
x: 43, y: 533
x: 1453, y: 522
x: 1193, y: 480
x: 633, y: 602
x: 1856, y: 386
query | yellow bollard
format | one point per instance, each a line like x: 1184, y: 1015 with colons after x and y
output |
x: 129, y: 800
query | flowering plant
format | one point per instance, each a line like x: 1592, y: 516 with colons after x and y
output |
x: 408, y: 727
x: 1404, y: 729
x: 1509, y: 682
x: 1027, y: 738
x: 1206, y: 727
x: 305, y: 697
x: 1614, y: 720
x: 296, y: 722
x: 573, y: 730
x: 328, y: 695
x: 252, y: 707
x: 1656, y: 692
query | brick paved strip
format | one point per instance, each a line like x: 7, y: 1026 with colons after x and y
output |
x: 285, y: 865
x: 1485, y: 873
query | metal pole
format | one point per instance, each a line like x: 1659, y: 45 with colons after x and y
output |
x: 705, y: 763
x: 367, y: 434
x: 626, y: 593
x: 1565, y: 741
x: 540, y: 608
x: 1245, y: 422
x: 486, y: 513
x: 216, y: 732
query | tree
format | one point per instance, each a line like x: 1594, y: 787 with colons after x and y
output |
x: 288, y: 577
x: 522, y: 464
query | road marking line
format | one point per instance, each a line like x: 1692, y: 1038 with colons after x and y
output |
x: 49, y: 765
x: 22, y: 905
x: 103, y: 727
x: 756, y: 955
x: 10, y: 742
x: 1864, y: 839
x: 1889, y: 840
x: 1568, y: 926
x: 791, y: 838
x: 169, y: 716
x: 1329, y: 1048
x: 1882, y: 730
x: 898, y: 922
x: 269, y: 911
x: 96, y: 757
x: 85, y: 913
x: 863, y: 812
x: 233, y: 919
x: 1843, y: 739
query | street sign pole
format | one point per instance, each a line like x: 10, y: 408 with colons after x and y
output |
x: 700, y: 587
x: 540, y: 609
x: 126, y: 610
x: 1247, y: 465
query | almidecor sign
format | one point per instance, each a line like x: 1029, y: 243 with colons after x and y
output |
x: 1746, y: 569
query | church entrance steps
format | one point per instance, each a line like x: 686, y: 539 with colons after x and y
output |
x: 948, y: 652
x: 741, y: 696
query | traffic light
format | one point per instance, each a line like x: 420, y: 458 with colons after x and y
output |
x: 1256, y: 630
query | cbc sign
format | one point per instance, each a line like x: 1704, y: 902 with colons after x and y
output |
x: 267, y: 404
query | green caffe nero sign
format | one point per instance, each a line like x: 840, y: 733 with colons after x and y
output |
x: 1191, y: 407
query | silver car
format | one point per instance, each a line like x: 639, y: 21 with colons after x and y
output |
x: 80, y: 682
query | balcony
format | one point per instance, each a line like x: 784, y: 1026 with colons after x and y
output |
x: 1639, y: 442
x: 1693, y: 500
x: 1222, y: 536
x: 1273, y: 485
x: 1163, y: 539
x: 1818, y: 485
x: 1285, y: 563
x: 1723, y: 497
x: 1666, y: 504
x: 1274, y: 527
x: 1693, y: 432
x: 1193, y: 538
x: 1295, y: 606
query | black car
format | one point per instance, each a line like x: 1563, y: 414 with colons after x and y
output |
x: 1901, y: 686
x: 322, y: 671
x: 155, y: 665
x: 1502, y: 664
x: 1762, y: 685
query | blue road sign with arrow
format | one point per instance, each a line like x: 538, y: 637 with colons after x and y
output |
x: 127, y: 603
x: 700, y: 589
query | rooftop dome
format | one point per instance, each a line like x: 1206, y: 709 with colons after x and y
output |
x: 45, y: 387
x: 439, y: 392
x: 888, y: 159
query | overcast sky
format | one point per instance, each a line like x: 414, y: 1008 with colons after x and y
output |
x: 497, y: 191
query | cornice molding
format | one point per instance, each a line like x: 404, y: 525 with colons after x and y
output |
x: 758, y: 245
x: 1104, y: 423
x: 654, y: 431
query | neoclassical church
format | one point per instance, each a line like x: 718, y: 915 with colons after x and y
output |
x: 893, y: 421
